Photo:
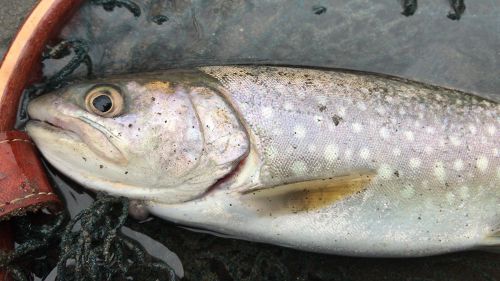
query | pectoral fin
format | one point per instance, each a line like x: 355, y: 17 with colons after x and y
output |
x: 307, y: 195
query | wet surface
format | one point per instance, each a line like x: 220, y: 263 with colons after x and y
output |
x: 359, y: 34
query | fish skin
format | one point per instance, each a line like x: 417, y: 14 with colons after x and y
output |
x: 434, y: 150
x: 344, y: 121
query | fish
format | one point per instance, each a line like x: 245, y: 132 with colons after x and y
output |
x: 323, y: 160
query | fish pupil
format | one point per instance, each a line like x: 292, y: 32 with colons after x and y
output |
x: 102, y: 103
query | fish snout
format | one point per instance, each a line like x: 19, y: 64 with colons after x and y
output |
x: 44, y: 107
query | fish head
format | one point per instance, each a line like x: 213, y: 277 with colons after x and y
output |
x: 151, y: 138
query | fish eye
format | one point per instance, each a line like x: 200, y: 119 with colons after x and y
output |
x: 104, y: 100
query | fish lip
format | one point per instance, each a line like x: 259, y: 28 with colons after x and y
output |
x: 79, y: 129
x: 48, y: 126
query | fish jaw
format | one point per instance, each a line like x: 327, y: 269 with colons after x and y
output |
x: 63, y: 149
x: 55, y: 122
x: 55, y: 142
x: 69, y: 141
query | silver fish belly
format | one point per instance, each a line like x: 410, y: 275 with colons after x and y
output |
x: 320, y: 160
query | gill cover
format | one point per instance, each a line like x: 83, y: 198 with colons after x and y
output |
x: 168, y: 140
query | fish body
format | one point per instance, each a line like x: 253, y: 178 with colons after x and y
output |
x: 320, y: 160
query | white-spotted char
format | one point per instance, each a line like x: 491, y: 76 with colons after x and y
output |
x: 320, y: 160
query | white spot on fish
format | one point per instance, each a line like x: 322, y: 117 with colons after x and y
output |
x: 385, y: 171
x: 402, y: 111
x: 409, y: 135
x: 356, y: 127
x: 458, y: 165
x: 425, y: 183
x: 408, y: 191
x: 450, y: 197
x: 361, y: 106
x: 415, y: 163
x: 482, y: 164
x: 430, y: 130
x: 278, y: 132
x: 380, y: 110
x: 321, y: 100
x: 472, y: 129
x: 318, y: 118
x: 299, y: 168
x: 384, y: 133
x: 442, y: 142
x: 348, y: 154
x: 428, y: 149
x: 288, y: 106
x: 267, y: 112
x: 420, y: 115
x: 331, y: 152
x: 299, y: 131
x: 440, y: 172
x: 341, y: 111
x: 396, y: 151
x: 455, y: 141
x: 491, y: 129
x: 417, y: 124
x: 311, y: 148
x: 495, y: 152
x: 463, y: 191
x: 364, y: 153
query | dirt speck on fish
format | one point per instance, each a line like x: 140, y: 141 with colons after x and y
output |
x: 321, y: 160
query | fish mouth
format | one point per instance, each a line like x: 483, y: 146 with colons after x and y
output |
x: 47, y: 123
x: 53, y: 129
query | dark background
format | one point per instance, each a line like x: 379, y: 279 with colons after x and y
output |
x: 357, y: 34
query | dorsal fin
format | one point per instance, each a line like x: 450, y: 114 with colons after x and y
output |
x: 307, y: 195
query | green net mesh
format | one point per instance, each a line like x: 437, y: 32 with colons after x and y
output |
x: 88, y: 247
